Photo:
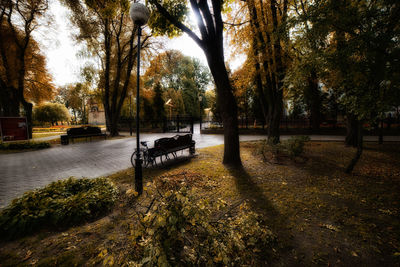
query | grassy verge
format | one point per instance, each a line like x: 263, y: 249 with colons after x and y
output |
x: 40, y: 135
x: 318, y: 214
x: 21, y: 146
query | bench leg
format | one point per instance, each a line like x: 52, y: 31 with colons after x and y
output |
x: 192, y: 150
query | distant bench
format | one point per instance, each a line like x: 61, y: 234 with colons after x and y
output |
x: 82, y: 132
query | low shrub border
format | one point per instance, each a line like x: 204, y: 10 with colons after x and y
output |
x: 46, y: 130
x: 24, y: 145
x: 60, y: 204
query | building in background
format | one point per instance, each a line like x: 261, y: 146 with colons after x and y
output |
x: 96, y: 112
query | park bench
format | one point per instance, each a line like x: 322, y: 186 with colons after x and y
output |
x: 172, y: 145
x: 82, y: 132
x: 163, y: 147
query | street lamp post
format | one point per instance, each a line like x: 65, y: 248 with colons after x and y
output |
x: 200, y: 98
x: 139, y: 15
x: 130, y: 112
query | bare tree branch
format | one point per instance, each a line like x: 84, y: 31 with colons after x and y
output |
x: 177, y: 23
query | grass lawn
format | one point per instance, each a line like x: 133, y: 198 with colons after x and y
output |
x: 40, y: 135
x: 319, y: 215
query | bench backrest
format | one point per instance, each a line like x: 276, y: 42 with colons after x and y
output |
x: 84, y: 130
x: 164, y: 143
x: 183, y: 140
x: 167, y: 143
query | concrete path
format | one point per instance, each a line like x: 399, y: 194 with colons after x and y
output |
x: 24, y: 171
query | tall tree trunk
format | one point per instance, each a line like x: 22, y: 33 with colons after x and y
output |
x: 114, y: 125
x: 106, y: 96
x: 28, y: 113
x: 74, y: 111
x: 21, y: 86
x: 132, y: 54
x: 256, y: 43
x: 9, y: 102
x: 228, y: 108
x: 352, y: 124
x: 357, y: 156
x: 275, y: 119
x: 271, y: 100
x: 211, y: 27
x: 274, y: 131
x: 84, y: 118
x: 314, y: 100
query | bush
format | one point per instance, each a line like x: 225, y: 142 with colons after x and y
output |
x: 294, y: 146
x: 51, y: 112
x: 179, y: 230
x: 60, y: 204
x: 24, y: 145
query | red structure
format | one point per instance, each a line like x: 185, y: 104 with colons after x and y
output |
x: 13, y: 128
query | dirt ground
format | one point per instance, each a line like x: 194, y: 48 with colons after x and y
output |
x: 319, y: 215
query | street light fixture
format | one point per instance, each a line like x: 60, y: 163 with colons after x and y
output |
x: 139, y: 15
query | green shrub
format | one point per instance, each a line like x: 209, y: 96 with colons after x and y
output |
x: 294, y: 146
x: 179, y: 230
x: 60, y: 204
x: 24, y: 145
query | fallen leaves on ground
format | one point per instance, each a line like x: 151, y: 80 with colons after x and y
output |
x: 320, y: 215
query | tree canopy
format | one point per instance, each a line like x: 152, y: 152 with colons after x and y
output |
x: 51, y: 113
x: 210, y: 39
x: 109, y: 34
x: 22, y: 68
x: 185, y: 75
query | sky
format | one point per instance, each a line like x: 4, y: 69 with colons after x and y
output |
x: 62, y: 52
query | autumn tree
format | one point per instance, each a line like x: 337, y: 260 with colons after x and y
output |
x: 361, y: 57
x: 38, y: 82
x: 170, y: 20
x: 51, y: 113
x: 176, y: 103
x: 22, y: 67
x: 303, y: 76
x: 74, y: 97
x: 109, y: 34
x: 147, y: 108
x: 186, y: 75
x: 268, y: 24
x: 260, y: 32
x: 158, y: 102
x: 243, y: 81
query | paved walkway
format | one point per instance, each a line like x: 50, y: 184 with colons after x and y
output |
x: 24, y: 171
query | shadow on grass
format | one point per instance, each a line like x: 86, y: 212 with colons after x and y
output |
x: 320, y: 165
x: 259, y: 202
x: 389, y: 148
x: 250, y: 191
x: 159, y: 169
